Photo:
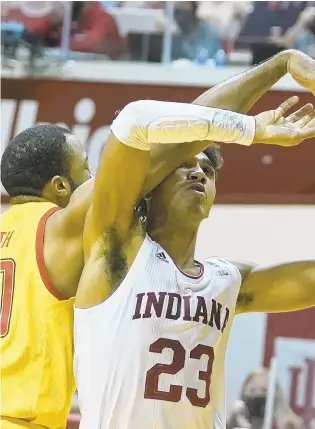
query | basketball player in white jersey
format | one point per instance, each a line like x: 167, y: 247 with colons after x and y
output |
x: 151, y: 322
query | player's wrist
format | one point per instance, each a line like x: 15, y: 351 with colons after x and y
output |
x: 260, y: 131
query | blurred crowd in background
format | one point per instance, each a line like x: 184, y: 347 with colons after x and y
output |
x: 206, y: 32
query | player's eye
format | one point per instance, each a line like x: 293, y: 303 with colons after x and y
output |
x: 209, y: 171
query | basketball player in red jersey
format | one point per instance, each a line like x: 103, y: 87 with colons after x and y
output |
x: 48, y: 166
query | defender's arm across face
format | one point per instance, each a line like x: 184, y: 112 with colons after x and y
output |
x: 276, y: 288
x: 125, y: 158
x: 142, y: 123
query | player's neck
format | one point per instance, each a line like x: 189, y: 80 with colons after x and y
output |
x: 22, y: 199
x: 179, y: 244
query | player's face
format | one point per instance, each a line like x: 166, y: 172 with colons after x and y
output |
x: 79, y: 172
x: 63, y: 187
x: 189, y: 191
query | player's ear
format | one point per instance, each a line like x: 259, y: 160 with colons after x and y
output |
x: 60, y: 186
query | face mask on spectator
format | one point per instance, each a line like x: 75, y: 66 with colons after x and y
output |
x: 255, y: 405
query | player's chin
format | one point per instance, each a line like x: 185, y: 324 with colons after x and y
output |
x: 198, y: 209
x: 205, y: 209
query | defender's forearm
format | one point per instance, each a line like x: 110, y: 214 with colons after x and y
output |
x: 143, y: 123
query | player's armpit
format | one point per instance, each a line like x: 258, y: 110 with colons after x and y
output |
x: 278, y: 288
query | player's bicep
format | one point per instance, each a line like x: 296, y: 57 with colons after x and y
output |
x: 118, y: 182
x: 284, y: 287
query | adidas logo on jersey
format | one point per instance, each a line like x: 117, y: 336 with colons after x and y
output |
x: 222, y: 273
x: 161, y: 255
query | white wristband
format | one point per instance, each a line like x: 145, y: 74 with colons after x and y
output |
x: 144, y: 122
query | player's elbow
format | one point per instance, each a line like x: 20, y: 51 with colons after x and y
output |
x: 135, y: 108
x: 128, y: 126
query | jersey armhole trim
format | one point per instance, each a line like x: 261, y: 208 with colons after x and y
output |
x: 236, y: 274
x: 39, y: 249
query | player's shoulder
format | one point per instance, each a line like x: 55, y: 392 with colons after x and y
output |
x: 241, y: 267
x: 229, y: 266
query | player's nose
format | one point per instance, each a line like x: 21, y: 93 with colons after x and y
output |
x: 197, y: 174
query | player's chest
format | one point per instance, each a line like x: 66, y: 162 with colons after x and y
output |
x: 189, y: 310
x: 164, y: 296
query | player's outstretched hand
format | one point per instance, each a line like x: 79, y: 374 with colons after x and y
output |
x: 273, y: 127
x: 302, y: 69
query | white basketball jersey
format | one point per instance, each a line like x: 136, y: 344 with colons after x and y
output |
x: 152, y: 355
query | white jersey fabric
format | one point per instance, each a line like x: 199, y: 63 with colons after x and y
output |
x: 152, y: 355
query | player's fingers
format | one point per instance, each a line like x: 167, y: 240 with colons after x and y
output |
x: 299, y: 114
x: 285, y: 106
x: 281, y: 121
x: 305, y: 120
x: 311, y: 123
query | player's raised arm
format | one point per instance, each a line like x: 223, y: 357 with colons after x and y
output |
x: 238, y: 94
x: 272, y: 289
x: 125, y: 158
x: 143, y: 123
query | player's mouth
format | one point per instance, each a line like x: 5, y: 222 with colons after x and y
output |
x: 198, y: 188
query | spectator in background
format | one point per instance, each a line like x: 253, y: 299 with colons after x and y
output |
x: 269, y: 20
x: 93, y: 30
x: 249, y: 411
x: 37, y: 17
x: 194, y: 34
x: 227, y: 17
x: 29, y: 22
x: 143, y: 4
x: 302, y: 34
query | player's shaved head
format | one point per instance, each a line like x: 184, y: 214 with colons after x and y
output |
x: 34, y: 157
